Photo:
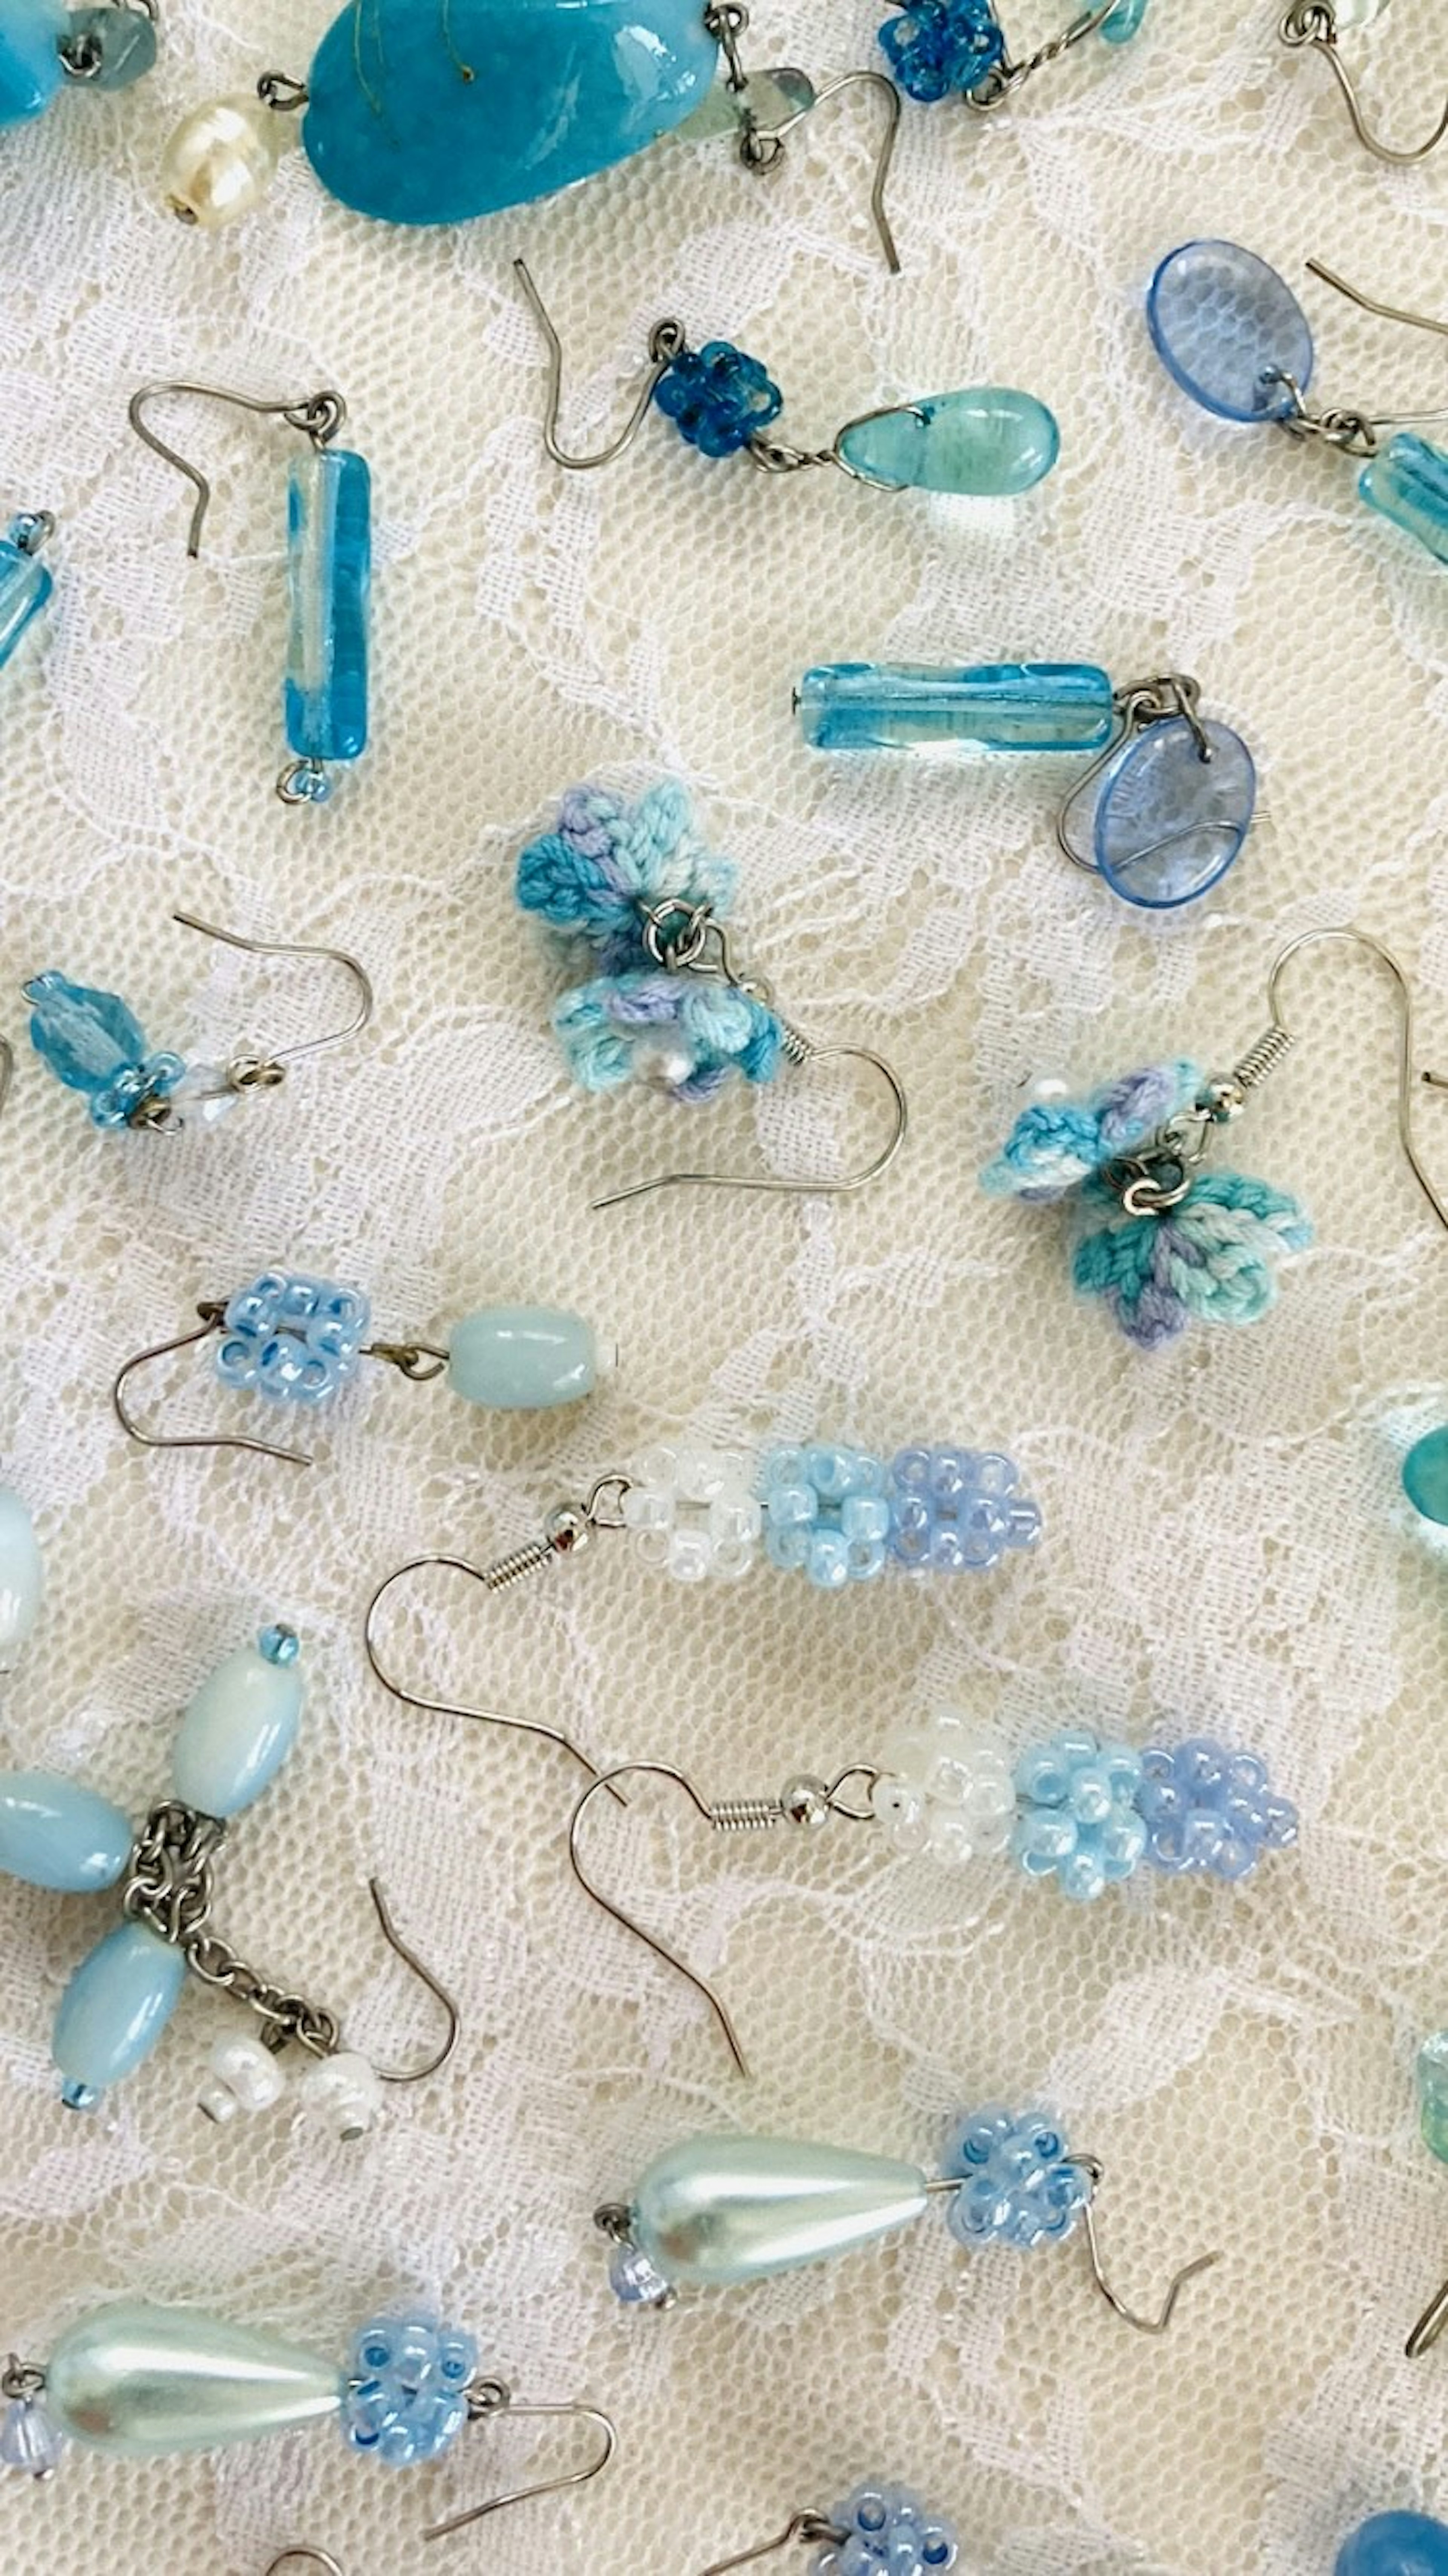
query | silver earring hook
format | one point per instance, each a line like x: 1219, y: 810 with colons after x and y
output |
x: 7, y: 1070
x: 1314, y: 23
x: 1375, y: 948
x: 342, y: 957
x: 1157, y: 2325
x: 319, y: 417
x: 1429, y: 2327
x: 800, y: 1051
x: 311, y: 2557
x: 491, y: 2397
x: 809, y: 2529
x: 439, y: 2058
x: 667, y: 341
x: 212, y: 1317
x: 754, y: 136
x: 451, y: 1708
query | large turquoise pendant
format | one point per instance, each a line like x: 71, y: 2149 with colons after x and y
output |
x: 434, y: 111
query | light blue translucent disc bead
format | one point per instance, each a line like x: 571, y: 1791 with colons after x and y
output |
x: 22, y: 1577
x: 1395, y: 2544
x: 1169, y: 824
x: 1425, y: 1476
x: 1124, y: 22
x: 54, y: 1833
x: 1408, y: 482
x: 994, y: 706
x: 522, y: 1359
x: 114, y: 2010
x: 240, y: 1727
x: 1431, y: 2072
x: 988, y: 441
x: 720, y: 2210
x: 25, y: 585
x: 1230, y: 330
x: 31, y: 70
x: 329, y: 556
x: 423, y: 116
x: 139, y: 2381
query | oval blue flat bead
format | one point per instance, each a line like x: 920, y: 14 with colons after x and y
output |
x: 1396, y: 2544
x: 115, y: 2008
x: 1408, y: 482
x: 1169, y: 823
x: 424, y: 116
x: 1425, y: 1476
x: 988, y: 441
x: 995, y: 706
x: 54, y: 1833
x: 1230, y: 330
x: 30, y: 65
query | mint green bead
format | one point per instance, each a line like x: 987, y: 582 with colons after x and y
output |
x: 139, y: 2381
x: 719, y: 2210
x: 114, y: 2010
x: 522, y: 1359
x: 1425, y: 1476
x: 239, y: 1729
x: 1432, y: 2074
x: 56, y: 1834
x: 989, y: 441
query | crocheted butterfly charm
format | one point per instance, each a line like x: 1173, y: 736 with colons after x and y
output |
x: 1160, y: 1239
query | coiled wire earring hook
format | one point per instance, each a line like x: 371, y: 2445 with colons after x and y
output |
x: 1313, y: 23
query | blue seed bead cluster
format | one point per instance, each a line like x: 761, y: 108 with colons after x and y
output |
x: 888, y: 2532
x: 1208, y: 1809
x: 1017, y: 2187
x: 958, y: 1510
x: 292, y: 1339
x: 936, y: 46
x: 93, y: 1043
x: 1078, y: 1820
x: 826, y: 1513
x: 717, y: 398
x: 406, y: 2397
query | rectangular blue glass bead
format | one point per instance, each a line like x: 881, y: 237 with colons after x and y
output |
x: 998, y: 706
x: 1408, y: 482
x: 329, y: 538
x: 25, y: 587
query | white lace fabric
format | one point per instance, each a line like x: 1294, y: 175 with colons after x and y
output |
x: 1226, y: 1546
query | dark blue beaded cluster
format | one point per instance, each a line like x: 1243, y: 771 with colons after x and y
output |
x: 888, y: 2532
x: 1018, y: 2184
x: 406, y: 2396
x: 1210, y: 1810
x: 717, y: 398
x: 936, y: 46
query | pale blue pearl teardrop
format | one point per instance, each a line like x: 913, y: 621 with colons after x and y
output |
x: 238, y: 1731
x: 114, y: 2010
x: 717, y: 2210
x: 522, y: 1359
x: 988, y: 441
x: 22, y: 1576
x: 139, y: 2381
x: 54, y: 1833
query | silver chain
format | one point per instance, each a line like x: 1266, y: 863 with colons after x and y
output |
x: 169, y: 1888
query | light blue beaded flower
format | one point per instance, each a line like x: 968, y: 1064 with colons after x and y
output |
x: 826, y: 1513
x: 888, y: 2532
x: 292, y: 1339
x: 406, y: 2395
x: 1018, y: 2185
x: 1210, y: 1810
x: 1078, y: 1821
x: 936, y: 46
x: 717, y: 398
x: 953, y: 1510
x: 93, y: 1043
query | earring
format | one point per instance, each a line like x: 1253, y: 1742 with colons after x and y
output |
x: 1160, y: 815
x: 942, y: 48
x: 986, y: 441
x: 329, y: 558
x: 25, y: 584
x: 234, y: 1738
x: 633, y: 888
x: 1233, y: 335
x: 1180, y: 1241
x: 44, y: 45
x: 140, y: 2382
x: 1318, y: 25
x: 880, y: 2530
x: 725, y: 2210
x: 1395, y: 2544
x: 94, y: 1044
x: 22, y: 1578
x: 292, y: 1339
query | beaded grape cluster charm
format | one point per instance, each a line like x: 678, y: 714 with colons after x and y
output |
x: 885, y: 2530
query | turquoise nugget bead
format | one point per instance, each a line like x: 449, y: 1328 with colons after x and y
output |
x: 1396, y: 2544
x: 522, y: 1359
x: 240, y: 1727
x: 54, y: 1833
x: 114, y: 2010
x: 30, y: 66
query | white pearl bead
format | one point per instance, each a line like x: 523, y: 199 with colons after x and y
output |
x: 343, y: 2094
x: 220, y: 162
x: 245, y: 2077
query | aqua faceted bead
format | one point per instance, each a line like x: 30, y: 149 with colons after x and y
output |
x: 989, y: 441
x: 329, y: 557
x: 1425, y: 1476
x: 1230, y: 331
x: 1395, y: 2544
x: 25, y: 585
x: 31, y: 70
x: 85, y: 1036
x: 721, y: 2210
x: 522, y: 1359
x: 56, y: 1834
x: 1408, y: 482
x: 1169, y: 823
x: 422, y: 115
x: 993, y: 706
x: 140, y: 2381
x: 115, y: 2008
x: 22, y: 1577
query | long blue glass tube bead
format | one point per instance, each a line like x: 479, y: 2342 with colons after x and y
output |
x: 329, y: 542
x: 25, y: 585
x: 1408, y: 482
x: 993, y: 706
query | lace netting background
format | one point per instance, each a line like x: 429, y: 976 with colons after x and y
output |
x: 1226, y: 1543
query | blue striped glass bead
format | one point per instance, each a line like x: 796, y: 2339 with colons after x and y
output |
x: 888, y: 2532
x: 292, y: 1339
x: 718, y: 398
x: 1408, y: 482
x: 994, y: 706
x: 329, y: 554
x: 1018, y: 2185
x: 25, y: 585
x: 406, y: 2393
x: 935, y: 47
x: 1230, y: 331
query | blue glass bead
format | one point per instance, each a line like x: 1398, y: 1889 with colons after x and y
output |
x: 522, y: 1359
x: 406, y: 2393
x: 717, y: 398
x: 1018, y: 2186
x: 1078, y: 1819
x: 118, y: 46
x: 635, y: 2279
x: 292, y: 1339
x: 1408, y: 482
x: 114, y: 2010
x: 25, y: 585
x: 1230, y: 330
x: 936, y: 46
x: 239, y: 1728
x: 426, y: 116
x: 329, y: 556
x: 93, y: 1043
x: 957, y: 1510
x: 56, y: 1834
x: 31, y: 70
x: 826, y: 1514
x: 1431, y: 2074
x: 1425, y: 1476
x: 1395, y: 2544
x: 1169, y: 824
x: 30, y: 2444
x: 989, y: 442
x: 888, y: 2532
x: 1124, y: 22
x: 1209, y: 1810
x: 996, y: 706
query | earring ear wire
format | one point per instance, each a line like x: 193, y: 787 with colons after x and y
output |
x: 434, y: 2064
x: 1313, y: 23
x: 799, y: 1050
x: 1364, y: 939
x: 806, y: 2528
x: 492, y: 2397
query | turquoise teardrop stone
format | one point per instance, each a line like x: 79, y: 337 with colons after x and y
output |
x: 239, y: 1728
x: 139, y: 2381
x: 1425, y: 1476
x: 522, y: 1359
x: 54, y: 1833
x: 997, y: 706
x: 22, y: 1576
x: 718, y: 2210
x: 30, y: 66
x: 114, y: 2010
x: 990, y: 442
x: 1408, y: 482
x: 1395, y: 2544
x: 425, y: 114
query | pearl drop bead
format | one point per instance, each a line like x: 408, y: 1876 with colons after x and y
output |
x: 343, y: 2094
x: 220, y: 162
x: 245, y: 2076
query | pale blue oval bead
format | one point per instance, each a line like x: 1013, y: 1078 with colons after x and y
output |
x: 997, y: 706
x: 329, y: 562
x: 719, y: 2210
x: 25, y: 585
x: 396, y: 129
x: 30, y: 66
x: 1169, y: 824
x: 1425, y: 1476
x: 1395, y: 2544
x: 139, y: 2381
x: 238, y: 1730
x: 1230, y: 330
x: 22, y: 1576
x: 522, y: 1359
x: 1408, y: 482
x: 989, y: 441
x: 115, y: 2008
x: 55, y: 1833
